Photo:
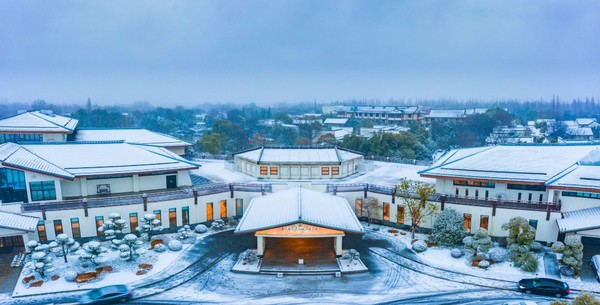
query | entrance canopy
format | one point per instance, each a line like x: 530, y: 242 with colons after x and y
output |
x: 311, y: 211
x: 17, y: 223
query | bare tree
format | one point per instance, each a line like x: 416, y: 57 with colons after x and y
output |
x: 415, y: 195
x: 371, y: 208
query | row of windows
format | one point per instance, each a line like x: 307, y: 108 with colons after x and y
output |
x: 42, y: 190
x: 12, y: 185
x: 273, y: 170
x: 133, y: 219
x: 581, y: 194
x: 474, y: 183
x: 16, y: 138
x: 487, y: 194
x: 526, y: 187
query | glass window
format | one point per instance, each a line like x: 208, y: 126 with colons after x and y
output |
x: 456, y: 192
x: 519, y: 197
x: 263, y: 170
x: 41, y: 228
x: 581, y: 194
x: 541, y: 197
x: 335, y: 170
x: 476, y: 194
x: 474, y: 183
x: 12, y: 185
x: 386, y: 211
x: 185, y: 216
x: 158, y: 214
x: 42, y: 190
x: 75, y: 229
x: 530, y: 197
x: 526, y: 187
x: 99, y: 223
x: 533, y: 223
x: 484, y: 221
x: 358, y: 207
x: 487, y: 194
x: 223, y: 209
x: 239, y: 207
x: 400, y: 214
x: 467, y: 222
x: 172, y: 217
x: 133, y: 222
x: 273, y: 170
x: 58, y: 228
x: 209, y: 211
x: 466, y: 192
x: 324, y: 170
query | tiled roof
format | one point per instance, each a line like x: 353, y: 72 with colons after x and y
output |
x: 134, y: 136
x: 294, y: 155
x: 526, y: 163
x: 18, y: 221
x: 89, y: 159
x: 335, y: 121
x: 38, y: 122
x: 580, y: 220
x: 299, y: 205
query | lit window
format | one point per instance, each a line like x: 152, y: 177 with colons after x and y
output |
x: 239, y: 207
x: 58, y: 228
x: 158, y: 215
x: 263, y: 170
x: 324, y: 170
x: 484, y: 221
x: 400, y: 214
x: 467, y: 222
x: 386, y: 211
x: 75, y: 228
x: 99, y: 223
x: 335, y: 170
x: 133, y: 222
x: 273, y: 170
x: 185, y: 216
x: 209, y: 211
x: 358, y: 207
x: 223, y: 208
x: 41, y: 228
x: 172, y: 217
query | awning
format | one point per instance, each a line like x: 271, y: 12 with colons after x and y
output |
x: 581, y: 220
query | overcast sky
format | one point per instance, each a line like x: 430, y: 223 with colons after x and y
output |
x: 190, y: 52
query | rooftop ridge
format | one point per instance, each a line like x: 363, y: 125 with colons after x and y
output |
x: 75, y: 142
x: 35, y: 113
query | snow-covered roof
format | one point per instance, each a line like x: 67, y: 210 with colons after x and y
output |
x: 584, y: 176
x: 335, y: 121
x: 580, y: 131
x: 524, y: 163
x: 298, y: 155
x: 18, y: 221
x: 38, y: 122
x: 134, y: 136
x: 299, y: 205
x: 70, y: 160
x: 585, y: 121
x: 580, y: 220
x: 446, y: 113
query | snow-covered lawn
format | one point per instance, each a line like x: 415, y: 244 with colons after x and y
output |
x: 124, y: 272
x: 218, y: 171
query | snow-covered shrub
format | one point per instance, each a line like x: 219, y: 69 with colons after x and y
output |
x: 526, y: 261
x: 31, y: 245
x: 184, y: 233
x: 483, y: 264
x: 419, y: 246
x: 249, y: 256
x: 498, y: 255
x: 218, y: 225
x: 566, y: 271
x: 201, y: 229
x: 70, y: 276
x: 232, y: 221
x: 457, y: 252
x: 558, y: 247
x: 40, y: 263
x: 175, y: 245
x: 586, y: 298
x: 519, y: 231
x: 160, y: 248
x: 351, y: 255
x: 92, y: 252
x: 113, y: 226
x: 150, y: 225
x: 479, y: 243
x: 536, y: 247
x: 448, y: 228
x: 480, y: 256
x: 65, y: 245
x: 131, y: 247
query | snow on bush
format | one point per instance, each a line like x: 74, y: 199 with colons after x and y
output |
x: 92, y: 252
x: 249, y: 256
x: 160, y: 248
x: 113, y: 226
x: 448, y: 228
x: 498, y: 255
x: 150, y: 225
x: 558, y: 247
x: 201, y: 229
x: 572, y: 252
x: 175, y: 245
x: 40, y: 263
x: 218, y: 225
x: 479, y: 243
x: 419, y: 246
x: 536, y: 247
x: 457, y: 252
x: 527, y: 261
x: 131, y: 247
x: 483, y: 264
x: 185, y: 234
x: 351, y: 255
x: 70, y: 275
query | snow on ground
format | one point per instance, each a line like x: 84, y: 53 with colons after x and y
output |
x: 218, y: 171
x: 123, y: 272
x: 389, y: 174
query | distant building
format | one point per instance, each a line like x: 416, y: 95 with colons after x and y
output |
x: 369, y: 132
x: 36, y: 126
x: 335, y: 122
x: 298, y: 163
x: 456, y: 115
x: 384, y: 114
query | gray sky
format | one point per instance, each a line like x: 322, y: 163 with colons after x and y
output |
x: 189, y: 52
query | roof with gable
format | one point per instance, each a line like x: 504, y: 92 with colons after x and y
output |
x: 580, y: 220
x: 18, y: 221
x: 289, y: 155
x: 85, y: 159
x: 585, y: 176
x: 299, y: 205
x: 38, y: 122
x: 133, y: 136
x: 535, y: 164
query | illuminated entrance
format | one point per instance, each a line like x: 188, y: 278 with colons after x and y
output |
x: 300, y: 231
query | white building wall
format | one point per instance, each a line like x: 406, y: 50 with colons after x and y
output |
x: 117, y: 185
x: 153, y: 182
x: 577, y: 203
x: 446, y: 186
x: 54, y: 137
x: 35, y: 177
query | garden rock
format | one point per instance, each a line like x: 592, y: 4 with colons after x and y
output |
x: 175, y: 245
x: 419, y: 246
x: 160, y: 248
x: 457, y: 253
x: 70, y: 276
x: 201, y: 229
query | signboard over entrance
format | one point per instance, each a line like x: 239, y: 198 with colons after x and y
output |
x: 300, y: 230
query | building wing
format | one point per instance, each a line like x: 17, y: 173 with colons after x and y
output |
x: 133, y: 136
x: 38, y: 122
x: 18, y: 222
